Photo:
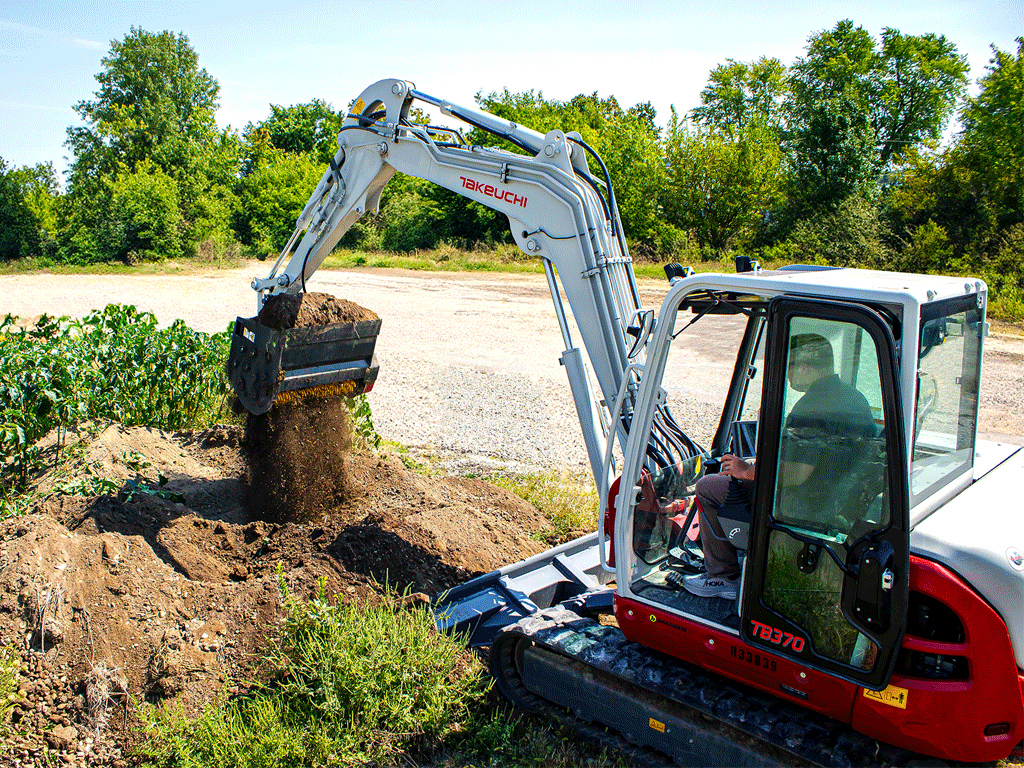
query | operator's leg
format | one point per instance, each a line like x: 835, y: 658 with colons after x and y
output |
x: 720, y: 563
x: 719, y: 554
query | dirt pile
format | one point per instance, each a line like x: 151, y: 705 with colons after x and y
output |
x: 303, y: 310
x: 166, y: 591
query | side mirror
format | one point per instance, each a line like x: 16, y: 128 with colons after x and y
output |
x: 645, y: 324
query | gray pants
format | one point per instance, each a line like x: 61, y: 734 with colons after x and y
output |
x: 719, y: 554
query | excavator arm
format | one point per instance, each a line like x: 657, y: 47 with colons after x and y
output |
x: 556, y: 210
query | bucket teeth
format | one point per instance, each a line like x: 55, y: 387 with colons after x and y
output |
x: 337, y: 389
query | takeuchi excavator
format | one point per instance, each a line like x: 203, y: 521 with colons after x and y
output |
x: 879, y: 614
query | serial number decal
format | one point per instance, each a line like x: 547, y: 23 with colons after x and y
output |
x: 765, y: 662
x: 894, y: 696
x: 777, y: 636
x: 491, y: 191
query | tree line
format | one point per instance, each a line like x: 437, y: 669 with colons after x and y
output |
x: 833, y: 159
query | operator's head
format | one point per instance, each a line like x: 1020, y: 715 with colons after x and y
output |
x: 810, y: 358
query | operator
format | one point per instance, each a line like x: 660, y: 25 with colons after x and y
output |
x: 823, y: 433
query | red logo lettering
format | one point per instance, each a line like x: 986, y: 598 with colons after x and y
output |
x: 777, y: 636
x: 505, y: 195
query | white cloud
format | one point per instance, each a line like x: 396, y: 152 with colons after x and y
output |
x: 91, y: 45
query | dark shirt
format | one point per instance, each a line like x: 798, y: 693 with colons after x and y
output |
x: 830, y: 428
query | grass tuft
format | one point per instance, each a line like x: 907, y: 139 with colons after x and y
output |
x: 569, y: 503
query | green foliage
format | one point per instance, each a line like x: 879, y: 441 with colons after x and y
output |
x: 851, y: 235
x: 627, y: 140
x: 349, y: 685
x: 144, y: 221
x: 9, y: 665
x: 19, y: 230
x: 272, y: 197
x: 569, y: 504
x: 739, y: 94
x: 359, y: 408
x: 721, y: 183
x: 929, y: 250
x: 114, y: 364
x: 992, y: 143
x: 856, y: 106
x: 153, y: 115
x: 310, y: 129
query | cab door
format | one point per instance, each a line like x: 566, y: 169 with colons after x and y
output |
x: 826, y: 577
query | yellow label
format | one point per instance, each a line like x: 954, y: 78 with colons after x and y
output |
x: 892, y: 696
x: 358, y: 107
x: 657, y: 725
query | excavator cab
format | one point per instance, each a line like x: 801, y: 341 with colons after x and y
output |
x: 824, y: 547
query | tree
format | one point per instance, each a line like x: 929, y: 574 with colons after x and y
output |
x: 904, y: 92
x: 19, y: 235
x: 721, y: 183
x: 154, y: 105
x: 273, y: 196
x: 628, y: 141
x: 738, y: 94
x: 992, y: 141
x: 301, y: 128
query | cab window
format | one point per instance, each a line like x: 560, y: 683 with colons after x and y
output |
x: 946, y: 404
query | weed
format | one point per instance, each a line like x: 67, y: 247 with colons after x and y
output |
x: 9, y: 665
x: 569, y: 503
x: 348, y: 685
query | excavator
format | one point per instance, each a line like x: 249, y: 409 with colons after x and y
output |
x: 878, y: 614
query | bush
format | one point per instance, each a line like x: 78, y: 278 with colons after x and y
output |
x: 144, y: 221
x: 350, y: 685
x: 929, y: 250
x: 851, y: 235
x: 272, y: 197
x: 19, y: 234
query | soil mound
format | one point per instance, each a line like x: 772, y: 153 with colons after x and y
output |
x: 303, y: 310
x: 167, y: 591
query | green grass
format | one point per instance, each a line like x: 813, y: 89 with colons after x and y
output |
x: 569, y: 503
x: 358, y: 684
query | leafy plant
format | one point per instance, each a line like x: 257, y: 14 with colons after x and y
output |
x: 349, y: 685
x: 114, y: 364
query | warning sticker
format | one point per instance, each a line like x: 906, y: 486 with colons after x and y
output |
x: 894, y: 696
x: 657, y: 725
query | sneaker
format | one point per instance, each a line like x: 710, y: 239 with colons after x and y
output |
x: 702, y: 585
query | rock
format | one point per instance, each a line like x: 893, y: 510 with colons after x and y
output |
x: 62, y: 737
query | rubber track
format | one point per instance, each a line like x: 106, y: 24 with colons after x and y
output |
x: 817, y: 739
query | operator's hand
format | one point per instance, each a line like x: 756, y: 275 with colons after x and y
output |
x: 737, y: 467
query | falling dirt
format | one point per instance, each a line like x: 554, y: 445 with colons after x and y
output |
x: 298, y: 451
x: 166, y: 591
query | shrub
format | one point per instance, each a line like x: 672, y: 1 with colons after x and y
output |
x: 851, y: 235
x: 272, y: 197
x: 144, y: 221
x: 350, y: 685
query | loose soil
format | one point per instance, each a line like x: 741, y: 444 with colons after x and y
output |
x: 298, y: 451
x: 303, y: 310
x: 116, y: 600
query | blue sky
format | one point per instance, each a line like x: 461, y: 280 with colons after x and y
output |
x: 292, y: 52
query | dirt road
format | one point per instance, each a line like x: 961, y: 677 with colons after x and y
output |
x: 469, y: 362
